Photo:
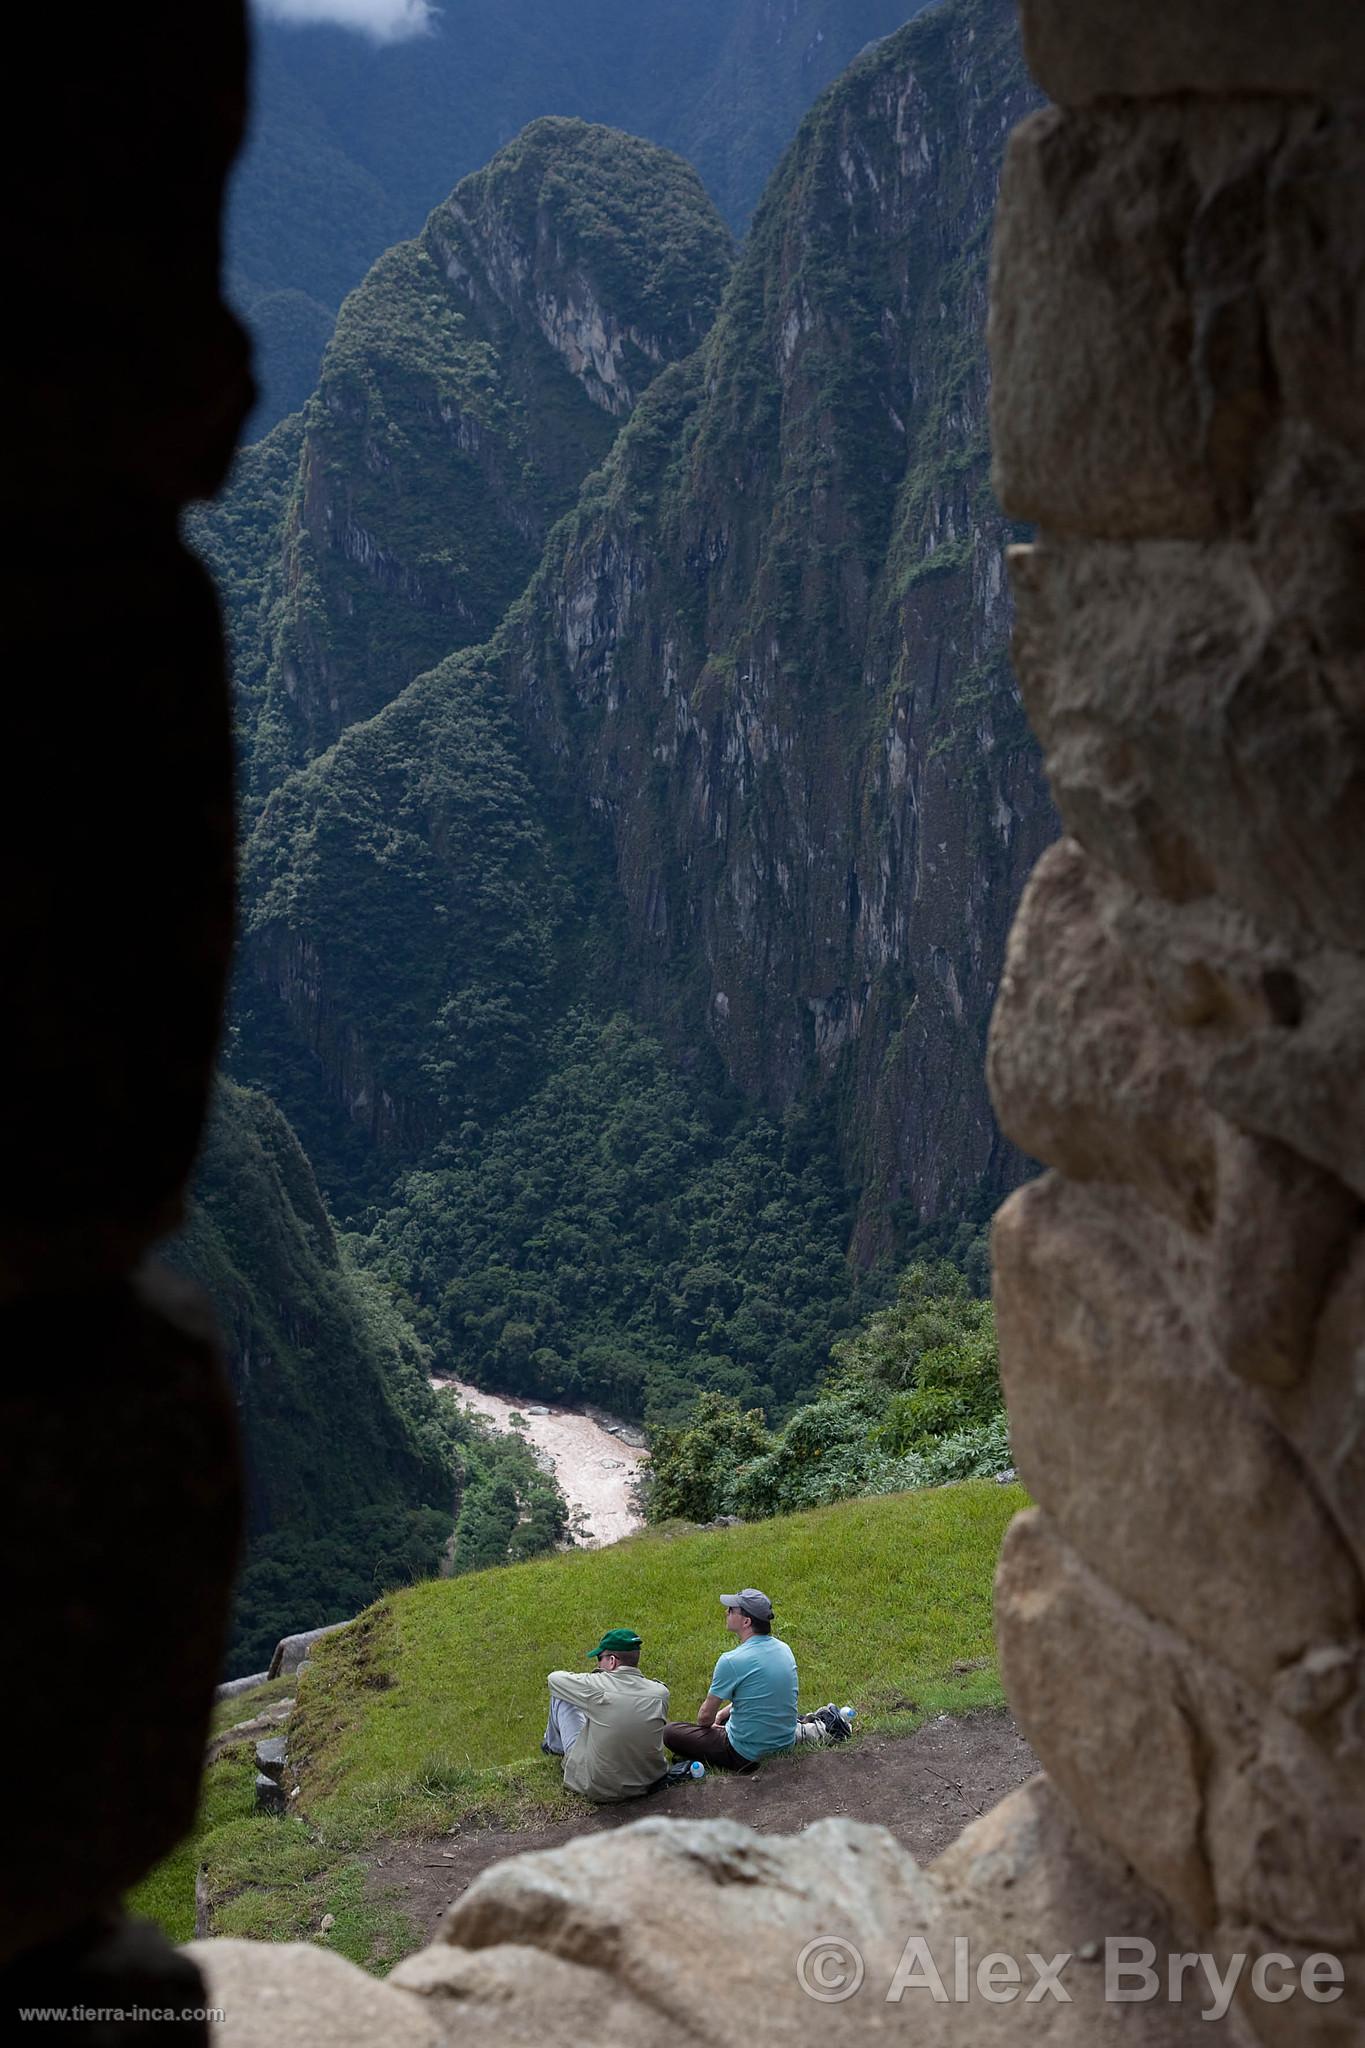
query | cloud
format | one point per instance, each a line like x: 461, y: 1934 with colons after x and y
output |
x: 385, y: 21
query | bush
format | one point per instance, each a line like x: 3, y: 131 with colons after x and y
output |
x: 691, y: 1470
x: 911, y: 1398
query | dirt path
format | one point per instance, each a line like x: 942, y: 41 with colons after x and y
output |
x: 594, y: 1469
x: 925, y: 1787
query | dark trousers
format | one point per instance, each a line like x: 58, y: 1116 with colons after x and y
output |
x: 711, y: 1745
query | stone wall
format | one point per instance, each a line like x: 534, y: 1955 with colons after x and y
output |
x: 1178, y: 341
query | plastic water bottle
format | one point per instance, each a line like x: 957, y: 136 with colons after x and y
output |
x: 698, y: 1767
x: 847, y: 1713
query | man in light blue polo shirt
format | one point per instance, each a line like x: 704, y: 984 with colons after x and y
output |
x: 750, y: 1710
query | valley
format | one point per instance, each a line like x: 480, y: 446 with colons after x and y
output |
x: 634, y: 796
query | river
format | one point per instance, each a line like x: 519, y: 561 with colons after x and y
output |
x: 593, y: 1468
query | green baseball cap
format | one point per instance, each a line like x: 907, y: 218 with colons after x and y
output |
x: 616, y: 1639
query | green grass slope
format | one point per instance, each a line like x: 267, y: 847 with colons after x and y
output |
x: 879, y: 1600
x: 430, y: 1711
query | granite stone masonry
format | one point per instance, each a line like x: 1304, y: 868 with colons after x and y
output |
x: 1178, y: 338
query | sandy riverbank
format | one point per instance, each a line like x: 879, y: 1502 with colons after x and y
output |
x: 594, y: 1469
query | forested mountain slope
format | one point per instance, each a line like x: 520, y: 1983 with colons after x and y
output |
x: 750, y: 741
x: 356, y: 1470
x: 769, y: 650
x: 260, y: 1240
x: 344, y: 1442
x: 637, y: 798
x: 351, y: 145
x: 474, y: 378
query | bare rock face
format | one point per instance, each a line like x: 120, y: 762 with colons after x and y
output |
x: 762, y: 670
x: 1179, y: 402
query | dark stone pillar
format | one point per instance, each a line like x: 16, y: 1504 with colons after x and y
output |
x: 128, y: 381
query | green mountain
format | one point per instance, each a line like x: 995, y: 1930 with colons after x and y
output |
x: 621, y: 946
x: 356, y: 1471
x: 767, y: 655
x: 343, y: 1439
x: 758, y: 765
x: 352, y: 144
x: 472, y: 382
x: 474, y: 378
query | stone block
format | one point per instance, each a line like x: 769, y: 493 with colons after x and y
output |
x: 1083, y: 50
x: 1195, y: 741
x: 1085, y: 1070
x: 127, y: 911
x: 239, y: 1685
x: 271, y: 1755
x: 1094, y: 417
x: 1124, y: 1756
x: 1282, y: 1230
x: 1155, y: 1463
x: 1314, y: 279
x: 1175, y: 295
x: 270, y: 1794
x: 292, y: 1652
x: 1030, y: 1861
x: 1089, y: 1071
x: 1232, y: 1811
x: 1324, y: 1415
x: 1297, y: 2023
x: 1282, y: 1026
x: 665, y: 1930
x: 119, y: 1547
x: 290, y: 1994
x: 1304, y: 1083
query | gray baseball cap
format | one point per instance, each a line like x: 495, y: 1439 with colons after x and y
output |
x: 756, y: 1605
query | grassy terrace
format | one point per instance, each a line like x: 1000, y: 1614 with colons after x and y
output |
x: 429, y: 1712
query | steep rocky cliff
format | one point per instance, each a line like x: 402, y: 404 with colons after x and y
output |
x: 770, y: 650
x: 352, y: 145
x: 473, y: 379
x: 767, y: 778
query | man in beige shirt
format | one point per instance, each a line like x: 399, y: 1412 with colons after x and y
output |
x: 608, y: 1724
